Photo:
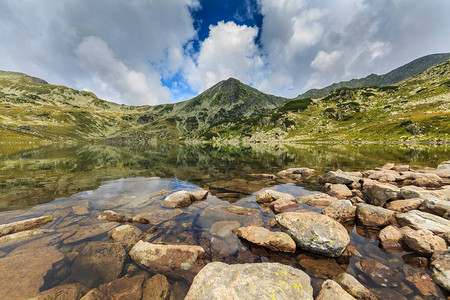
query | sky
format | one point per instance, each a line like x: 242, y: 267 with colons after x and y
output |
x: 148, y: 52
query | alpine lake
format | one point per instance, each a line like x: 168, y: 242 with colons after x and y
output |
x: 75, y: 183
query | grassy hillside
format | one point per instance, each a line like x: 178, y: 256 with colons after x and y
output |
x: 415, y: 109
x: 395, y: 76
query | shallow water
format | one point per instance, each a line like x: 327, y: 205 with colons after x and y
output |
x: 76, y: 183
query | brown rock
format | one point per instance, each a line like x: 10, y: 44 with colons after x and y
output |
x: 354, y: 287
x: 178, y: 291
x: 181, y: 261
x: 377, y: 194
x: 333, y: 291
x: 156, y: 288
x: 125, y: 234
x: 424, y: 242
x: 263, y: 176
x: 404, y: 205
x: 23, y: 274
x: 98, y: 263
x: 268, y: 196
x: 239, y: 210
x: 123, y: 288
x: 339, y: 177
x: 112, y: 216
x: 422, y: 179
x: 283, y: 204
x: 67, y: 291
x: 338, y: 190
x: 82, y: 233
x: 380, y: 274
x: 440, y: 266
x: 342, y: 211
x: 19, y: 226
x: 275, y: 241
x: 320, y: 199
x: 424, y: 283
x: 178, y: 199
x: 198, y: 195
x: 94, y: 294
x: 390, y: 238
x: 324, y: 268
x: 224, y: 229
x: 374, y: 216
x: 401, y: 168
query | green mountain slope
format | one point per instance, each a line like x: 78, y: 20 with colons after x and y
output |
x: 415, y: 109
x: 406, y: 71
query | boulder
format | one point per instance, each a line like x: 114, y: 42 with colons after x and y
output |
x: 275, y: 241
x: 424, y: 242
x: 268, y: 196
x: 437, y: 207
x: 380, y: 274
x: 374, y: 216
x: 156, y: 288
x: 283, y: 204
x: 23, y: 273
x: 315, y: 232
x: 178, y: 199
x: 342, y: 211
x: 404, y: 205
x: 125, y: 234
x: 339, y: 177
x: 24, y: 225
x: 379, y: 193
x: 98, y: 263
x: 112, y: 216
x: 390, y: 238
x: 123, y: 288
x: 382, y: 175
x: 338, y: 190
x: 440, y: 266
x: 198, y: 195
x: 354, y: 287
x: 324, y: 268
x: 422, y: 179
x: 180, y: 261
x: 250, y: 281
x: 320, y: 199
x: 333, y: 291
x: 421, y: 220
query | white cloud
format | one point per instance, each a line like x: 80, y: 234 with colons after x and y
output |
x: 325, y: 61
x: 229, y: 51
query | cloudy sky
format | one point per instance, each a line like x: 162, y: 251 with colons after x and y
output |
x: 159, y: 51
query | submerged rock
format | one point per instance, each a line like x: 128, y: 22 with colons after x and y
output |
x: 276, y: 241
x: 333, y: 291
x: 374, y: 216
x: 424, y: 283
x: 420, y: 220
x: 125, y: 234
x: 98, y: 263
x: 23, y: 273
x: 315, y: 232
x: 250, y: 281
x: 19, y: 226
x: 239, y: 210
x: 123, y: 288
x: 67, y: 291
x: 156, y: 288
x: 24, y: 235
x: 380, y: 274
x: 180, y: 261
x: 354, y: 287
x: 325, y: 268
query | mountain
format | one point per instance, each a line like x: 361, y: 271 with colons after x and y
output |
x: 406, y: 71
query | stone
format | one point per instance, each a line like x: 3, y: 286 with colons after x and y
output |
x: 304, y: 172
x: 250, y: 281
x: 178, y: 199
x: 239, y: 210
x: 388, y: 166
x: 180, y: 261
x: 224, y: 229
x: 320, y: 199
x: 424, y: 242
x: 67, y: 291
x: 420, y: 220
x: 422, y: 179
x: 338, y: 190
x: 333, y: 291
x: 156, y: 288
x: 123, y: 288
x: 213, y: 213
x: 404, y: 205
x: 390, y: 238
x: 81, y: 209
x: 374, y: 216
x: 379, y: 193
x: 23, y: 273
x: 94, y: 294
x: 98, y: 263
x: 283, y: 204
x: 82, y: 233
x: 380, y: 274
x: 389, y: 294
x: 354, y: 287
x: 263, y: 176
x: 424, y: 283
x: 315, y: 232
x: 324, y: 268
x: 382, y: 175
x: 125, y: 234
x: 437, y: 207
x: 440, y: 267
x: 24, y: 235
x: 339, y: 177
x: 268, y: 196
x: 24, y: 225
x: 198, y: 195
x: 342, y: 211
x: 275, y: 241
x: 178, y: 291
x: 112, y: 216
x: 401, y: 168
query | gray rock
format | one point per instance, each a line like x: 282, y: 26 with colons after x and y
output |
x: 339, y: 177
x: 440, y: 266
x: 424, y: 242
x: 379, y: 193
x: 422, y: 220
x: 269, y: 196
x: 342, y: 211
x: 250, y: 281
x: 19, y: 226
x: 315, y: 232
x: 374, y: 216
x: 338, y: 190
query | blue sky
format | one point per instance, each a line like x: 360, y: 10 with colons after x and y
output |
x: 150, y: 52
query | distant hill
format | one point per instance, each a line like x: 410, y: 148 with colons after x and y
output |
x: 406, y: 71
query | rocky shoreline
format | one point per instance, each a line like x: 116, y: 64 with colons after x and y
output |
x: 288, y: 247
